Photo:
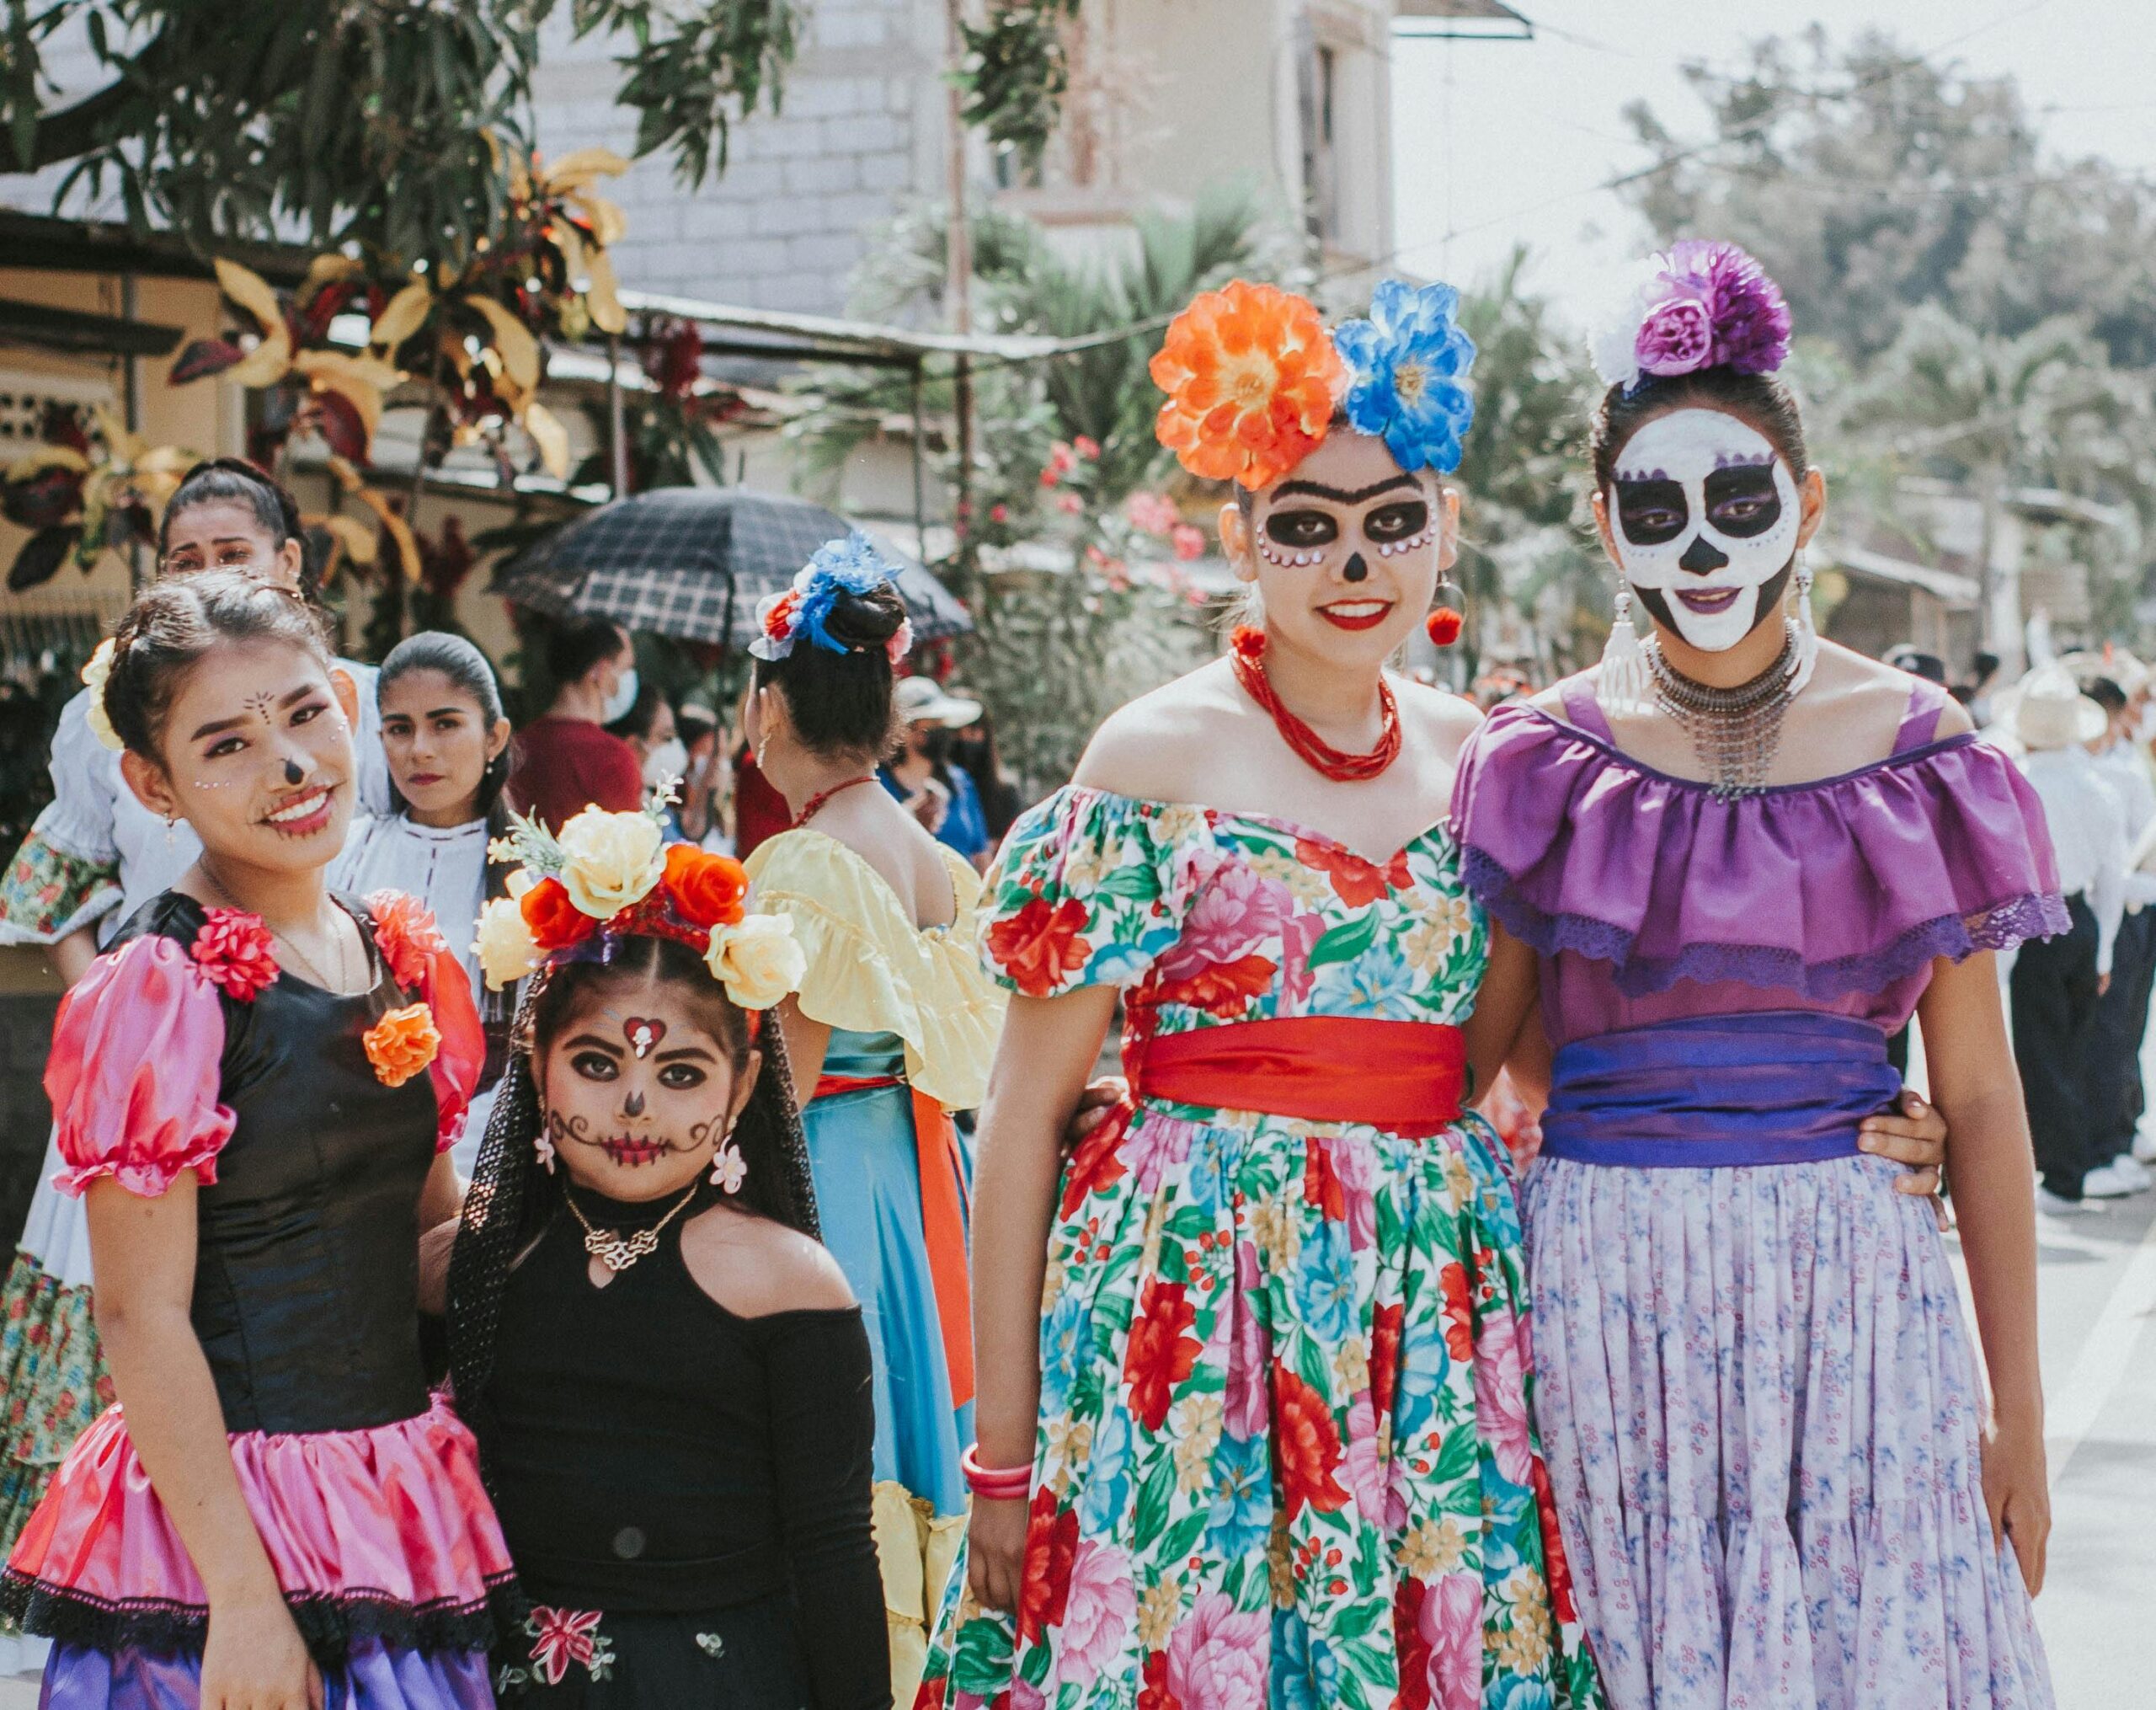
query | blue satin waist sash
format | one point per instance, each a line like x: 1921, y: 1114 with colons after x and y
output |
x: 1780, y: 1086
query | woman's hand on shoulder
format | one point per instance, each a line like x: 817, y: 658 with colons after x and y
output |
x: 754, y: 1267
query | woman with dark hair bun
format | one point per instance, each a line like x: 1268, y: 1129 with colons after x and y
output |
x: 891, y: 1031
x: 446, y: 740
x: 1744, y: 856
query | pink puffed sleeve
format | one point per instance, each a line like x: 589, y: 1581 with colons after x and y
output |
x: 133, y: 1077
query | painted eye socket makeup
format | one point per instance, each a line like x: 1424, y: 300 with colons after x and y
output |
x: 596, y: 1066
x: 1652, y: 513
x: 1400, y: 521
x: 1742, y: 501
x: 680, y: 1077
x: 1302, y: 529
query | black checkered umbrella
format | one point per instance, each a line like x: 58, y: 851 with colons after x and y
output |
x: 692, y: 562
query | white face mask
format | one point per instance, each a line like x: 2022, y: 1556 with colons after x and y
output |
x: 671, y: 759
x: 1704, y: 515
x: 624, y: 696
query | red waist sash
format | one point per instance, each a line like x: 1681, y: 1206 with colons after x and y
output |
x: 1405, y: 1076
x: 944, y: 1215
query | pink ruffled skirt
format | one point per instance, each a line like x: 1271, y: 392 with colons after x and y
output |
x: 383, y: 1539
x: 1762, y: 1418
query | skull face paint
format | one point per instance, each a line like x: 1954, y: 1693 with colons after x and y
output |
x: 1705, y: 515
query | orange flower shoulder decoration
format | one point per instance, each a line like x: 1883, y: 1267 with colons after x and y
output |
x: 402, y: 1044
x: 1252, y: 379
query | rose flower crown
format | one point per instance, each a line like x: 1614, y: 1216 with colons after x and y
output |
x: 606, y: 876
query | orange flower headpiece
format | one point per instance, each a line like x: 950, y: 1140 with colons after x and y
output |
x: 1252, y: 380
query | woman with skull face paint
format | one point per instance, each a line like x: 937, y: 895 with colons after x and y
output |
x: 1745, y: 856
x: 253, y: 1092
x: 1254, y: 1360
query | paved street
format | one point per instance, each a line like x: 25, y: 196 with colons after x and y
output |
x: 2099, y: 1611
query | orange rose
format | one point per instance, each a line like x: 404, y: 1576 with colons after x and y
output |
x: 707, y: 889
x: 405, y: 934
x: 402, y: 1044
x: 556, y: 922
x: 1251, y: 378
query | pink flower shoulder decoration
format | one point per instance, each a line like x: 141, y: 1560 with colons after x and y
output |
x: 405, y: 934
x: 563, y: 1638
x: 235, y: 952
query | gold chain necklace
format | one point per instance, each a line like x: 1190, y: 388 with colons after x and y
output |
x: 617, y: 1253
x: 336, y: 987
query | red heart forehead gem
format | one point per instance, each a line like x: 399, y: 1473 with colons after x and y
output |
x: 644, y: 1034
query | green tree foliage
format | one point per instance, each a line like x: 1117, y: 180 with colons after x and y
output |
x: 387, y: 123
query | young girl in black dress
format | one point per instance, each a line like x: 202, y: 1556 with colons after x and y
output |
x: 667, y: 1373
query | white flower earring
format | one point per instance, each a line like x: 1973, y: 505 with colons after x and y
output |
x: 542, y: 1144
x: 728, y: 1169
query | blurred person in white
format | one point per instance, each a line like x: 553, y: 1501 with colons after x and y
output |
x: 2116, y: 681
x: 2056, y: 984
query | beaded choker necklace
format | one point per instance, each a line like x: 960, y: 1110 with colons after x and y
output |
x: 1735, y: 732
x: 1247, y: 653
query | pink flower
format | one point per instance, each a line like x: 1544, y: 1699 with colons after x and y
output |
x: 1451, y: 1625
x: 1675, y: 336
x: 235, y: 952
x: 1355, y: 1163
x: 1379, y: 1484
x: 1189, y: 541
x: 1096, y: 1617
x: 1246, y: 1410
x: 1217, y: 1658
x: 1086, y: 446
x: 1501, y: 1358
x: 1070, y: 503
x: 405, y: 934
x: 1154, y: 1147
x: 999, y: 513
x: 1234, y: 912
x: 561, y: 1636
x: 1154, y: 513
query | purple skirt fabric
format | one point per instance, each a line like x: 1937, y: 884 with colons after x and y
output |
x: 372, y: 1678
x: 1761, y: 1414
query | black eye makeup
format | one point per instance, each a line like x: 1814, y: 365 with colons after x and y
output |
x: 596, y: 1066
x: 1400, y: 521
x: 680, y: 1077
x: 1742, y: 501
x: 1301, y: 530
x: 1651, y: 512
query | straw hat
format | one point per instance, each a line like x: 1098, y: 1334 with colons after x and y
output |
x: 921, y: 700
x: 2047, y: 709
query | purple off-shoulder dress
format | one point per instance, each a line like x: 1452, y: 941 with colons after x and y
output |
x: 1760, y: 1406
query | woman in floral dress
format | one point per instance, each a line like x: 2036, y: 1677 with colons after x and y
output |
x: 1254, y: 1365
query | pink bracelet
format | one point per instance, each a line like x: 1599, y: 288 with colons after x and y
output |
x: 994, y: 1483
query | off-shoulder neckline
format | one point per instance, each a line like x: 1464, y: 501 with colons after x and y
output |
x: 1907, y: 756
x: 951, y: 860
x: 1441, y: 826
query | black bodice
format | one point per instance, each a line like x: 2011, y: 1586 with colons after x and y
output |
x: 652, y: 1453
x: 306, y: 1259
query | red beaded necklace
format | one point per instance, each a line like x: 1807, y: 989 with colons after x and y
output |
x: 816, y: 801
x: 1246, y: 652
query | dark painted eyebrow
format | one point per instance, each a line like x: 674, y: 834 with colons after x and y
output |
x: 686, y: 1051
x: 1317, y: 489
x: 593, y: 1039
x: 217, y: 726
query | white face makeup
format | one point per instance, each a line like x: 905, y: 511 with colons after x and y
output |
x: 1705, y: 513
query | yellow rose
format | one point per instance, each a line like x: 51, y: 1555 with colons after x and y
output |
x: 505, y: 944
x: 757, y: 961
x: 613, y: 860
x: 94, y: 675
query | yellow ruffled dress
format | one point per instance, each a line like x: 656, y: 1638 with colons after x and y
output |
x: 913, y: 1018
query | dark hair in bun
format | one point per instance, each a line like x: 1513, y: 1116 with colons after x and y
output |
x: 841, y: 702
x: 172, y: 625
x: 234, y: 480
x: 1763, y: 400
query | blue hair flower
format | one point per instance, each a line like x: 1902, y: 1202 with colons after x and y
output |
x: 1407, y: 371
x: 849, y: 566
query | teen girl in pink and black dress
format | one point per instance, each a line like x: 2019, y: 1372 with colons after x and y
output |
x: 253, y: 1092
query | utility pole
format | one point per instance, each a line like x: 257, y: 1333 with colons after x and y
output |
x: 958, y: 250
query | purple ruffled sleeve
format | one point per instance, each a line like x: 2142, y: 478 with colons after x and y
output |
x: 1824, y: 888
x: 134, y: 1074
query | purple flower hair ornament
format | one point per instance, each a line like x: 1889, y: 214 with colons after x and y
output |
x: 1702, y: 305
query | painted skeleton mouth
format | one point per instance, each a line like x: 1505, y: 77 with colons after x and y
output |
x: 626, y: 1149
x: 1708, y: 601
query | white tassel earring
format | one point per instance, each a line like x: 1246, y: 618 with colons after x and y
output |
x: 1807, y: 631
x: 1622, y: 686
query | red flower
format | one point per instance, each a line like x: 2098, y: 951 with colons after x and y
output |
x: 778, y: 621
x: 707, y: 889
x: 556, y: 922
x: 405, y: 934
x: 235, y: 952
x: 1224, y: 989
x: 1385, y: 1323
x: 1460, y: 1312
x: 1409, y: 1645
x: 932, y: 1693
x: 1040, y: 944
x: 1321, y: 1185
x: 1355, y: 881
x: 561, y: 1636
x: 1556, y: 1569
x: 1097, y: 1163
x: 1159, y: 1356
x: 1154, y: 1695
x: 1305, y: 1445
x: 1051, y: 1546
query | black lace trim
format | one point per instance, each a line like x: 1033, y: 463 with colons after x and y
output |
x: 332, y: 1623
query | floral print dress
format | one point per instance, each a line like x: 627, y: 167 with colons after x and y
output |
x: 1285, y: 1457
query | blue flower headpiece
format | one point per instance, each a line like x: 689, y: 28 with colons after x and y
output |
x: 1407, y: 369
x: 848, y: 566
